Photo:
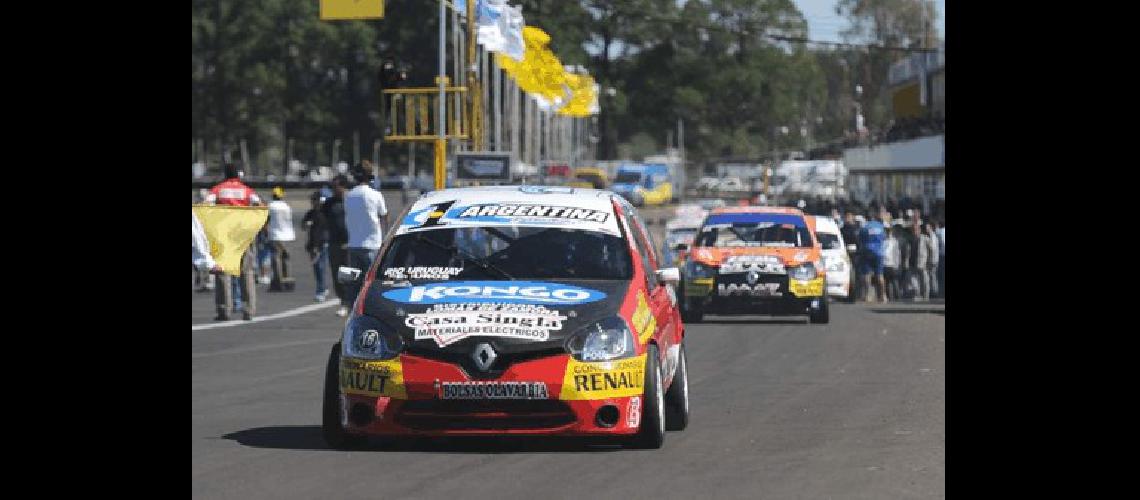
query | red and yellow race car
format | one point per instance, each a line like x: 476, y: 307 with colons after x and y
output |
x: 511, y: 310
x: 755, y: 260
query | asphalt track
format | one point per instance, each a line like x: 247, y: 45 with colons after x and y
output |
x: 780, y: 409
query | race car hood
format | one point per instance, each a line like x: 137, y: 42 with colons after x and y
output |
x: 715, y: 256
x: 515, y: 317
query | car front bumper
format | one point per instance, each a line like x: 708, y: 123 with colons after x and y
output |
x: 786, y: 297
x: 412, y: 400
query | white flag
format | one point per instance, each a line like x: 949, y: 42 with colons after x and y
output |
x: 512, y: 24
x: 500, y: 28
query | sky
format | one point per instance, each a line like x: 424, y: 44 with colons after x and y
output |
x: 824, y: 24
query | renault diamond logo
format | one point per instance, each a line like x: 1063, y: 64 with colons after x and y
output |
x: 484, y: 356
x: 368, y: 340
x: 752, y: 277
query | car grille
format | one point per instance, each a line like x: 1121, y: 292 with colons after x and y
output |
x: 463, y: 358
x: 438, y: 414
x: 742, y: 279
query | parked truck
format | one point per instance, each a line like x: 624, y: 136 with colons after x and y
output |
x: 812, y: 178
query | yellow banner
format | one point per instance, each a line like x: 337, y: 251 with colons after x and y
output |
x: 540, y: 72
x: 373, y: 378
x: 230, y: 230
x: 613, y: 379
x: 583, y: 99
x: 337, y: 10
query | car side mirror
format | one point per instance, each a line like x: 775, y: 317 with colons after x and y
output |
x: 680, y: 247
x: 669, y: 275
x: 851, y: 248
x: 347, y: 275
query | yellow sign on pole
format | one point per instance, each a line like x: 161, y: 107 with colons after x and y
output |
x: 339, y: 10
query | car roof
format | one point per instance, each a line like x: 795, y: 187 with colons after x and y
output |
x: 565, y: 206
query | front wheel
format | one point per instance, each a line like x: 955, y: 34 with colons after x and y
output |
x: 331, y: 427
x: 677, y: 397
x: 651, y: 435
x: 822, y: 315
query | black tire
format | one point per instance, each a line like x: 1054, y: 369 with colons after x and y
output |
x: 823, y: 315
x: 677, y: 397
x: 651, y: 434
x: 334, y: 434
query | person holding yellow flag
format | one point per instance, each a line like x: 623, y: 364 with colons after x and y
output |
x: 238, y: 283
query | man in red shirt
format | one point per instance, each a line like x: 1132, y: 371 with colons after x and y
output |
x: 232, y: 191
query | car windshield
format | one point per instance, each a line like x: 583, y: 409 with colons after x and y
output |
x: 755, y: 230
x: 829, y: 241
x: 505, y: 253
x: 628, y: 177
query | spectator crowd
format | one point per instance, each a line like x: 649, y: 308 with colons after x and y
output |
x: 344, y: 226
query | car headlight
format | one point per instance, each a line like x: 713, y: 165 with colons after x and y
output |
x: 802, y: 272
x: 606, y: 340
x: 698, y: 270
x: 366, y: 337
x: 835, y: 265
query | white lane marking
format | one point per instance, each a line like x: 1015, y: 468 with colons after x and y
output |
x: 258, y: 319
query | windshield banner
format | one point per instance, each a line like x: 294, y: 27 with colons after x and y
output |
x: 513, y: 292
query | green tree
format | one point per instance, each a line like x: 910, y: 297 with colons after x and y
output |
x: 885, y: 23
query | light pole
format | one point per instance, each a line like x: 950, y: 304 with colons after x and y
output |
x: 440, y: 159
x: 607, y: 123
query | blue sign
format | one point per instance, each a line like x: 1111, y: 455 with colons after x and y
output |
x: 514, y: 292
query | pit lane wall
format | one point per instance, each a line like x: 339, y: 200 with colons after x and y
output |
x: 914, y: 169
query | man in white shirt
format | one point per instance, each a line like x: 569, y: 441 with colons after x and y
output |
x: 892, y: 258
x: 365, y: 216
x: 941, y: 272
x: 280, y: 231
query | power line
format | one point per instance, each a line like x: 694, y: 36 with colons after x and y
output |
x: 783, y: 38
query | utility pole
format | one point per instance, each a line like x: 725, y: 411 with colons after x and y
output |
x: 681, y: 145
x: 355, y: 147
x: 441, y: 120
x: 476, y: 103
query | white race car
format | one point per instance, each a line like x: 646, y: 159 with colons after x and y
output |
x: 835, y: 259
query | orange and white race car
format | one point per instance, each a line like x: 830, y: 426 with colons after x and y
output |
x: 755, y: 260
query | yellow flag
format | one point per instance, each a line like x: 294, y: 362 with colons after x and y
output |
x: 540, y: 72
x: 336, y: 10
x: 230, y: 230
x: 584, y: 97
